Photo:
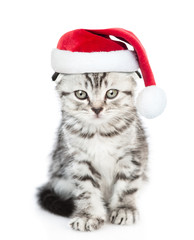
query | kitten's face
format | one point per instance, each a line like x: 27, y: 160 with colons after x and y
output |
x: 97, y: 98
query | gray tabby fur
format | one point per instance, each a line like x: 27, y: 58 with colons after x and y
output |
x: 99, y: 161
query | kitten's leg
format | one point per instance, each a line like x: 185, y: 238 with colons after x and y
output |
x: 90, y: 212
x: 128, y: 179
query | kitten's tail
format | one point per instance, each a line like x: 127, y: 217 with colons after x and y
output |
x: 50, y: 201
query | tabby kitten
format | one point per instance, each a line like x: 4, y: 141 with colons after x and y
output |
x: 100, y: 157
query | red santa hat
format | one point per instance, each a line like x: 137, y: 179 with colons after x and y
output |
x: 85, y: 51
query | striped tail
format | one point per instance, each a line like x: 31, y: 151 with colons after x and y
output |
x: 52, y: 202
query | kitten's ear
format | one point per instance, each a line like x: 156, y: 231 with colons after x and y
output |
x: 57, y: 77
x: 134, y: 78
x: 138, y: 74
x: 54, y: 76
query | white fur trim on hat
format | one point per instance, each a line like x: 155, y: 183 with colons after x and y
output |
x: 63, y: 61
x: 151, y: 101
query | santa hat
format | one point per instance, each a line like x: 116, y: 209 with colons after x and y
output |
x: 85, y: 51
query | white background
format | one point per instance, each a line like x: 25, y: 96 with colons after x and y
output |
x: 30, y: 113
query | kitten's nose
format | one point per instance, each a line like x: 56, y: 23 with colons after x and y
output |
x: 97, y: 110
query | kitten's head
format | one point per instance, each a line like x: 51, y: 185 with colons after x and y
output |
x: 97, y: 98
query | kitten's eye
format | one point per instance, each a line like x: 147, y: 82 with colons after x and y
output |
x: 81, y: 94
x: 112, y: 93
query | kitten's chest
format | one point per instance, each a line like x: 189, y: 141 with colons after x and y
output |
x: 103, y: 154
x: 97, y: 149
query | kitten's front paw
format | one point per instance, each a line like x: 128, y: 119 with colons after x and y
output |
x: 124, y: 216
x: 86, y: 224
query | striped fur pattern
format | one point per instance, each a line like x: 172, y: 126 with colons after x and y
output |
x: 100, y: 160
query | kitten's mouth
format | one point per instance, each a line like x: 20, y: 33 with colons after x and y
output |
x: 97, y: 116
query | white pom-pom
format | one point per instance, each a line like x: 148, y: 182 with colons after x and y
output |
x: 151, y: 101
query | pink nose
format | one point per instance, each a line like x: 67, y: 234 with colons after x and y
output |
x: 97, y: 110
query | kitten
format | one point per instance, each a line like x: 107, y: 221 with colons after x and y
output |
x: 100, y: 157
